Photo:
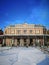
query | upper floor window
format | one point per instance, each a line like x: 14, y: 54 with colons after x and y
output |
x: 37, y: 31
x: 25, y: 31
x: 30, y: 31
x: 12, y: 31
x: 18, y: 31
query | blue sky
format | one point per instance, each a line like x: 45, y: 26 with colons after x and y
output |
x: 20, y: 11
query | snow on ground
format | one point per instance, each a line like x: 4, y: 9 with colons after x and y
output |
x: 22, y: 56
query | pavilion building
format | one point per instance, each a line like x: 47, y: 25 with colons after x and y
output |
x: 25, y: 35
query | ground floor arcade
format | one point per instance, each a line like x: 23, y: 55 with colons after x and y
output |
x: 25, y: 40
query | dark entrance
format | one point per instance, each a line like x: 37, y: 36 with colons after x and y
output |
x: 18, y: 42
x: 31, y: 42
x: 24, y: 42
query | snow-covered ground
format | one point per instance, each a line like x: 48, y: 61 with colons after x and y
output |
x: 22, y: 56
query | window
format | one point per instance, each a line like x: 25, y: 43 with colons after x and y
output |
x: 30, y: 31
x: 18, y: 31
x: 37, y: 31
x: 12, y: 31
x: 25, y: 31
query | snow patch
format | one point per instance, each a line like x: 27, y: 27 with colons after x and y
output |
x: 21, y: 56
x: 33, y: 56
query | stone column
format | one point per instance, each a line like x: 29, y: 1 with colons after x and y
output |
x: 12, y: 41
x: 27, y: 42
x: 33, y: 42
x: 15, y: 42
x: 7, y: 42
x: 3, y: 41
x: 21, y: 42
x: 43, y: 40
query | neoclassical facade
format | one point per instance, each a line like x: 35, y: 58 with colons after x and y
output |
x: 24, y: 35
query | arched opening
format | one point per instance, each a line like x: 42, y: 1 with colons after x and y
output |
x: 18, y: 42
x: 31, y: 42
